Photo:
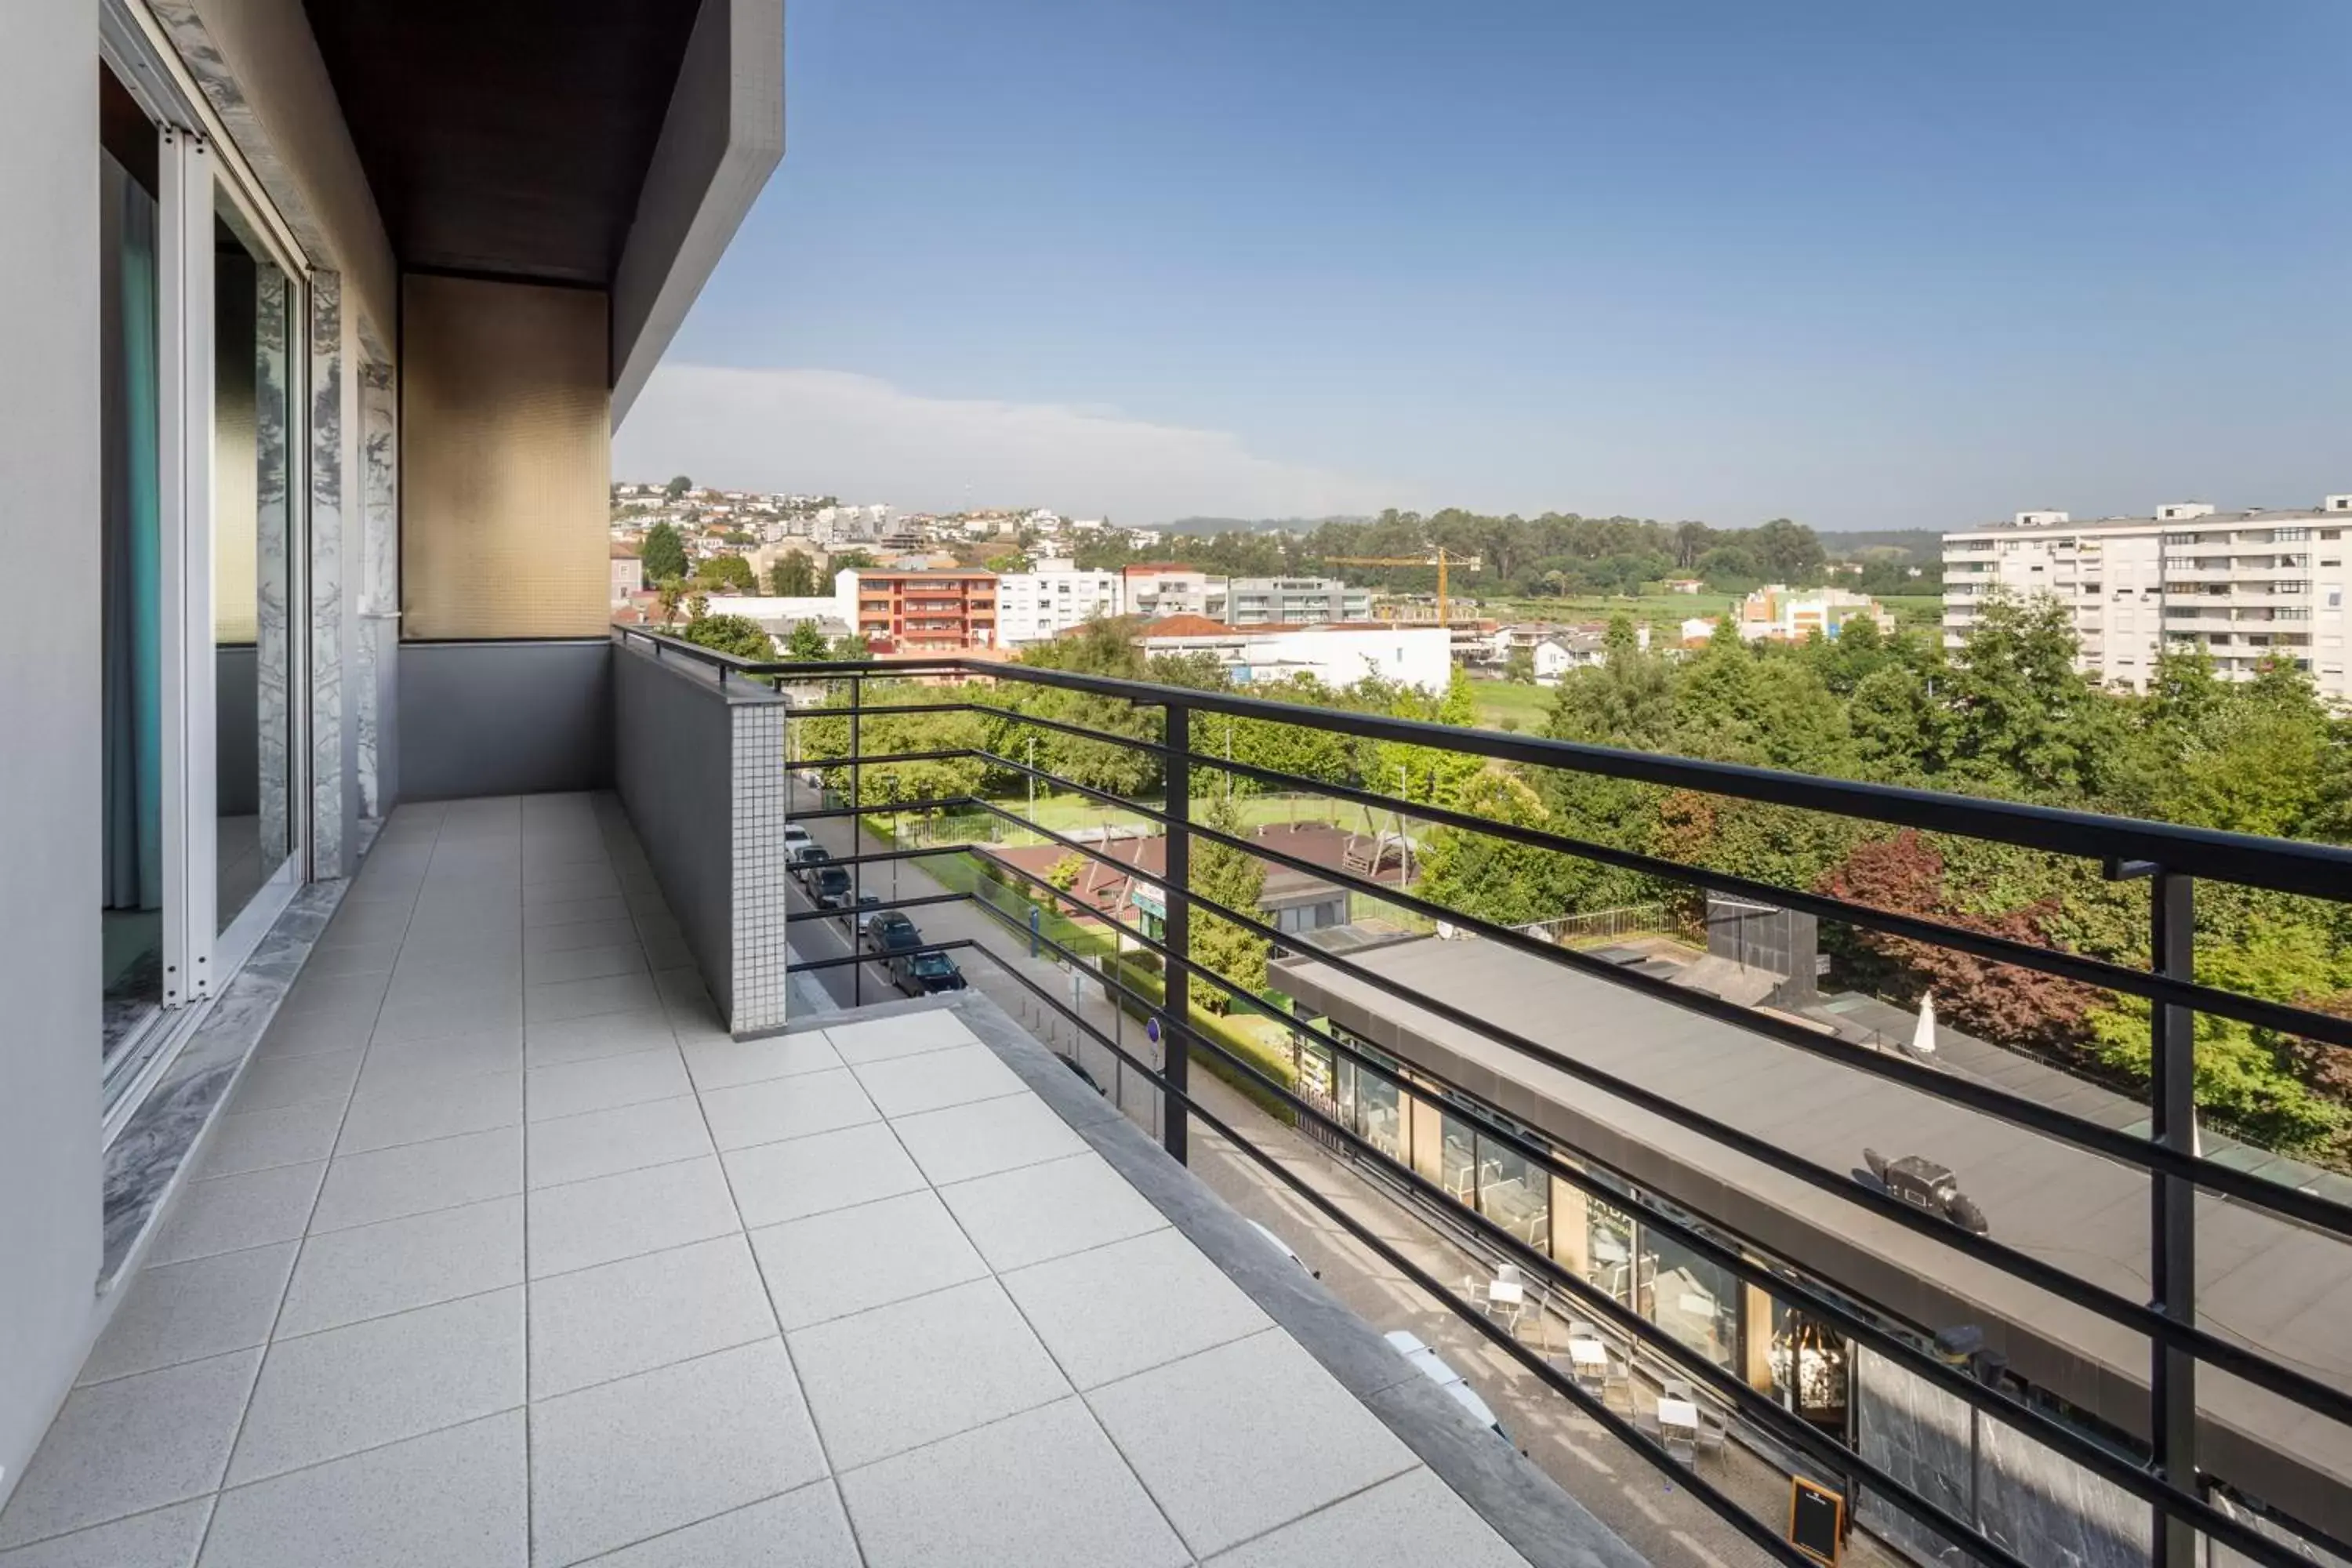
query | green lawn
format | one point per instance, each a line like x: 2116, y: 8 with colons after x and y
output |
x: 1529, y: 706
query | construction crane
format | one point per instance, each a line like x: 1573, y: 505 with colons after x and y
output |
x: 1441, y: 558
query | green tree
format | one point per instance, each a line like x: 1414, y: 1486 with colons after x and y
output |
x: 793, y: 576
x: 1501, y: 879
x: 806, y: 643
x: 738, y: 635
x: 852, y: 648
x: 665, y: 556
x: 669, y: 593
x: 727, y: 574
x: 1064, y: 873
x: 678, y: 485
x: 1519, y: 668
x: 1235, y: 880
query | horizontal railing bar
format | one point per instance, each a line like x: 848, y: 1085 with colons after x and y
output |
x: 798, y: 915
x: 2057, y: 961
x: 2319, y: 1212
x: 951, y: 754
x: 870, y: 709
x: 846, y: 960
x: 2224, y: 1354
x: 2148, y: 1487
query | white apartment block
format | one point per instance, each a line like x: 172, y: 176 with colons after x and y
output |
x: 2245, y: 585
x: 1037, y: 606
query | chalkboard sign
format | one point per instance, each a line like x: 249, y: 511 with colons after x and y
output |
x: 1816, y: 1520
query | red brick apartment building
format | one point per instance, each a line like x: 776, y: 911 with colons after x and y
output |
x: 932, y: 610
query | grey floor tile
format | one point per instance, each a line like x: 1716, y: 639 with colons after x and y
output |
x: 1118, y: 1309
x: 453, y: 1011
x: 328, y: 988
x: 879, y: 1039
x: 393, y: 1114
x: 575, y: 1089
x: 324, y: 1395
x: 906, y: 1085
x: 166, y: 1538
x: 728, y: 1064
x: 847, y: 1260
x: 541, y: 940
x: 416, y: 1178
x: 257, y: 1141
x: 899, y: 1376
x: 315, y: 1034
x: 396, y: 1265
x: 777, y: 1182
x: 358, y: 924
x: 573, y: 911
x: 467, y: 964
x: 586, y: 963
x: 403, y: 1062
x: 459, y: 1496
x: 353, y: 958
x: 552, y: 1004
x: 613, y: 1218
x: 1005, y: 1494
x: 605, y: 1142
x: 1310, y: 1442
x: 629, y: 1317
x: 290, y: 1081
x: 598, y: 1035
x: 1021, y: 1216
x: 802, y: 1529
x: 622, y: 1462
x: 131, y: 1445
x: 1413, y: 1519
x: 569, y: 884
x: 782, y: 1108
x: 176, y: 1312
x: 223, y: 1214
x: 979, y: 1140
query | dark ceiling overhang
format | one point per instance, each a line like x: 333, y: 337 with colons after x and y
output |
x: 509, y: 137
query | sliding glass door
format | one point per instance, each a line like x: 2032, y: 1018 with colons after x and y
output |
x: 204, y: 325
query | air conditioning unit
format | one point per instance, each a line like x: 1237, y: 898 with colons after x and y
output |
x: 2176, y: 512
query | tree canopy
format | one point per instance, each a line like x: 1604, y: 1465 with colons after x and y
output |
x: 664, y: 555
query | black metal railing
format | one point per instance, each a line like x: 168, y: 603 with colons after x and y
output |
x: 2171, y: 858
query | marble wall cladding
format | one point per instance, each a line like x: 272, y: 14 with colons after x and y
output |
x: 373, y: 648
x: 761, y: 953
x: 330, y: 836
x: 148, y: 1155
x: 274, y: 530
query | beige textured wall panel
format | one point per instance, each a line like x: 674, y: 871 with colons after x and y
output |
x: 506, y: 459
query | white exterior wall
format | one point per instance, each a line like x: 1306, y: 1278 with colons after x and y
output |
x: 1037, y: 606
x: 49, y: 667
x: 2118, y: 580
x: 1411, y: 656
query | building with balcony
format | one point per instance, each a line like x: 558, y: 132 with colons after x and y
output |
x: 1150, y: 592
x: 1038, y: 605
x: 924, y: 610
x: 2245, y: 587
x: 1294, y: 601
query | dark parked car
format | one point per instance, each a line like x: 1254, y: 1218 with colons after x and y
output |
x: 829, y: 885
x: 923, y: 973
x: 808, y: 859
x: 891, y: 932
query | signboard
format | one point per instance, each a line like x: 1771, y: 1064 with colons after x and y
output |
x: 1816, y: 1520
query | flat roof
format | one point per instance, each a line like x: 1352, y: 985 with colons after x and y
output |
x: 2265, y: 1282
x: 2256, y: 518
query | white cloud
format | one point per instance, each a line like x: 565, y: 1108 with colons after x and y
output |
x: 831, y: 432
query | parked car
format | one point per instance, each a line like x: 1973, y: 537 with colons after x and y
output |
x: 829, y: 885
x: 796, y: 838
x: 889, y: 931
x: 810, y: 856
x: 1431, y: 1366
x: 868, y: 906
x: 925, y: 973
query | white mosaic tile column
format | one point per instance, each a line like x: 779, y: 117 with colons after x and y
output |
x: 759, y: 952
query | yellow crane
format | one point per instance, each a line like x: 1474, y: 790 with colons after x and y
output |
x: 1441, y: 558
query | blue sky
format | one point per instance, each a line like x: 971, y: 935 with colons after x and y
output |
x: 1867, y: 265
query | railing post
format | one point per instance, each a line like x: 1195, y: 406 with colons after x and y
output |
x: 857, y: 837
x: 1176, y: 991
x: 2172, y: 1237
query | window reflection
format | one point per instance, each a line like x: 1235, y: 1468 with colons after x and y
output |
x: 252, y: 421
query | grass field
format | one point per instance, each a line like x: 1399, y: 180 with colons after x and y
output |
x: 1527, y: 706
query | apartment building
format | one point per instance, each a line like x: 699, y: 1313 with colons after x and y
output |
x: 1152, y: 592
x: 1781, y: 614
x: 930, y: 610
x: 2245, y: 585
x: 1037, y: 605
x: 1294, y: 601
